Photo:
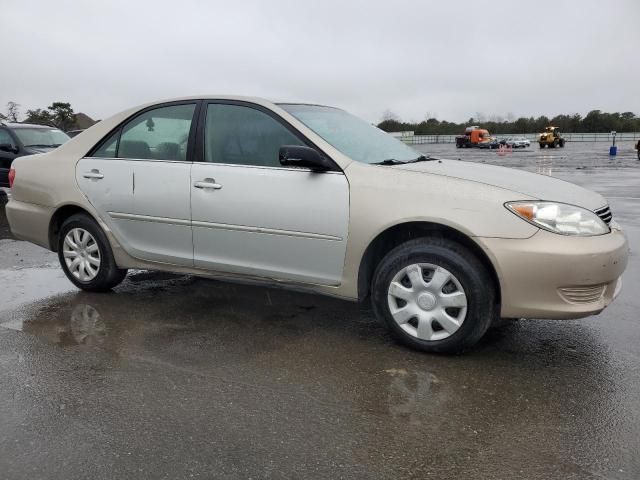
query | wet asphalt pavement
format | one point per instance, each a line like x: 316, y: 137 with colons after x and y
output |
x: 180, y: 377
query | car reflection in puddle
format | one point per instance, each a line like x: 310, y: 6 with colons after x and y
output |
x: 414, y: 395
x: 184, y: 316
x: 83, y: 327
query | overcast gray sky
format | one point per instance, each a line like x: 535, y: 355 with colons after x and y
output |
x: 452, y: 58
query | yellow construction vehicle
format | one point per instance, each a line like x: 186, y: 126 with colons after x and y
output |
x: 551, y: 138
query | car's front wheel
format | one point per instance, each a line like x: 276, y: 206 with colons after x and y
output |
x: 85, y: 255
x: 434, y: 295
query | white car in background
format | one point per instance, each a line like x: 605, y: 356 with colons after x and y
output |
x: 517, y: 142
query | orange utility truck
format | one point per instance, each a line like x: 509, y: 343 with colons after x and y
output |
x: 476, y: 137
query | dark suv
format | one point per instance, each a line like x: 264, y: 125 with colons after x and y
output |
x: 20, y: 139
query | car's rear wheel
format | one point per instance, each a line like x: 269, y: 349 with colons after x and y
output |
x: 85, y: 255
x: 434, y: 295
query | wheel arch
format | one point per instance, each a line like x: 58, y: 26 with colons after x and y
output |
x: 57, y: 219
x: 397, y: 234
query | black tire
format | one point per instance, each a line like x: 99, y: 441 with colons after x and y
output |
x: 499, y: 323
x: 541, y: 145
x: 562, y: 143
x: 109, y: 275
x: 477, y: 283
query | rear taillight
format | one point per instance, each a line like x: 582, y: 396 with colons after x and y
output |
x: 12, y: 177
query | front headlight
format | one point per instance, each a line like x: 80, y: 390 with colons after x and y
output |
x: 560, y: 218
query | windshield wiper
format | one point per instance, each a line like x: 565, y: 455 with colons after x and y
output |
x: 41, y: 145
x: 389, y: 161
x: 423, y: 158
x: 393, y: 161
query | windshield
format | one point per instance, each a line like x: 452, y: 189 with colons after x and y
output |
x: 350, y: 135
x: 41, y: 137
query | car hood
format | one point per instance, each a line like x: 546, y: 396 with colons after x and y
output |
x: 33, y: 150
x: 533, y: 185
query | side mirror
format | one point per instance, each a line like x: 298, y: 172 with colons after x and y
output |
x: 304, y: 157
x: 7, y: 147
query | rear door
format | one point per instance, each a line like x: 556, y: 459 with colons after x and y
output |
x: 139, y: 181
x: 252, y: 216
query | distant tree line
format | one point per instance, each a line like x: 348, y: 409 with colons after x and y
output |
x: 594, y: 122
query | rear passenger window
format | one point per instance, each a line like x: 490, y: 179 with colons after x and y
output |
x: 158, y: 134
x: 108, y: 148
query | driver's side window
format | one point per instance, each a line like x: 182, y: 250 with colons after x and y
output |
x: 242, y: 135
x: 158, y: 134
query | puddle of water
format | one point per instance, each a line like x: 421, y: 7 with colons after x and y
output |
x: 23, y: 286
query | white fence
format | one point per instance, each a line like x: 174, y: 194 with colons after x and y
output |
x: 569, y: 137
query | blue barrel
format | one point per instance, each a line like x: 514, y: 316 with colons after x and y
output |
x: 613, y: 151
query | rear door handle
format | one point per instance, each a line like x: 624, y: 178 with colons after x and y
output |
x: 93, y: 174
x: 208, y: 183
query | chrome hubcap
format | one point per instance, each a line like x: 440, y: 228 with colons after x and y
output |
x: 427, y: 301
x: 81, y: 254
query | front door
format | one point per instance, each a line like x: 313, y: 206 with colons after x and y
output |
x: 252, y: 216
x: 139, y: 181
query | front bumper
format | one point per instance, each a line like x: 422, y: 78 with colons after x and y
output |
x: 557, y: 276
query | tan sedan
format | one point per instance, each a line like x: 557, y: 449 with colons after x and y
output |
x: 312, y: 197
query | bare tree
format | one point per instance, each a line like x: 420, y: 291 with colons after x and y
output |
x: 389, y: 115
x: 13, y: 111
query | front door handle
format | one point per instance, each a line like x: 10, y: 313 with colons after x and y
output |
x: 93, y: 174
x: 208, y: 183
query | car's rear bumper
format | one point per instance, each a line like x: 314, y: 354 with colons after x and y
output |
x: 556, y: 276
x: 29, y: 221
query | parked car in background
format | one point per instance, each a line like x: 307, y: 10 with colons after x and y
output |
x: 490, y: 143
x: 312, y: 197
x: 20, y: 139
x: 516, y: 142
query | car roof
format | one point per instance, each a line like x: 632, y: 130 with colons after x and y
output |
x: 258, y: 100
x: 305, y: 104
